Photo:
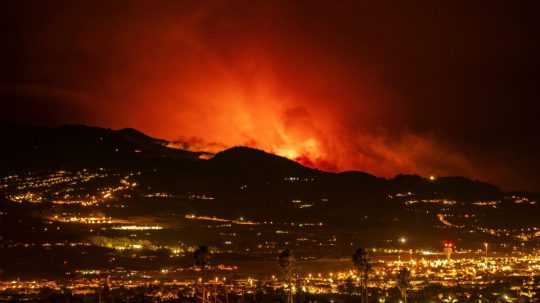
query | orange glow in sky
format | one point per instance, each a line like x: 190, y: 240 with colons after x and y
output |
x: 311, y: 82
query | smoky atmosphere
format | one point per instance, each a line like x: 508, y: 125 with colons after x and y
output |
x: 269, y: 151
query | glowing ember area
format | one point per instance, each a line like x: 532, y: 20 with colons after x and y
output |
x: 257, y: 115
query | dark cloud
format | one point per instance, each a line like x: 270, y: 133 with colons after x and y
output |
x: 44, y: 106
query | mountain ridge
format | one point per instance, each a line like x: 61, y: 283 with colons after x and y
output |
x: 78, y: 145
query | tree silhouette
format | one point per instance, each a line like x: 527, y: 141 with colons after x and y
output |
x: 362, y: 264
x: 403, y: 282
x: 286, y: 261
x: 201, y: 258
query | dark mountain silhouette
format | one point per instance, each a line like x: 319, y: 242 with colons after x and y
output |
x: 256, y: 163
x: 135, y: 136
x: 79, y: 146
x: 450, y: 187
x: 76, y: 146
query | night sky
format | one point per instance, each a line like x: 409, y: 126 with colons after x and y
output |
x: 399, y: 87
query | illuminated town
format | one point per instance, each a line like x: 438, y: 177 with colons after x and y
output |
x: 434, y: 278
x: 270, y: 151
x: 136, y: 255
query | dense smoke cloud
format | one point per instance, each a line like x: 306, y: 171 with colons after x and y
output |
x: 385, y: 88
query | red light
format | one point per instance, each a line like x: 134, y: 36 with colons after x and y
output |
x: 448, y: 244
